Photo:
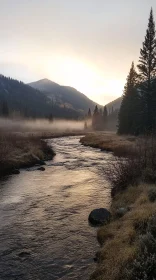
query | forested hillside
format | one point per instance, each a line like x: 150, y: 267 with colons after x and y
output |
x: 64, y: 96
x: 19, y: 99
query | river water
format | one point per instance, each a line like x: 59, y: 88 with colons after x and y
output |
x: 44, y: 230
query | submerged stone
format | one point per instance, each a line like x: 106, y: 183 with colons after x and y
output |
x: 15, y: 171
x: 24, y: 254
x: 41, y: 168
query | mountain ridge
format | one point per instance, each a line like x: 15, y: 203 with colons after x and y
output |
x: 56, y: 100
x: 25, y: 101
x: 66, y: 95
x: 49, y: 86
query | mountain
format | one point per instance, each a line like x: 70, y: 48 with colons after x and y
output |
x: 64, y: 96
x: 23, y: 100
x: 115, y: 104
x: 44, y: 85
x: 44, y: 98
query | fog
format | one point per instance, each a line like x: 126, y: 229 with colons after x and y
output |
x: 40, y: 125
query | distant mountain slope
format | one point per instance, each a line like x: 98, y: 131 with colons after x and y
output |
x: 27, y: 101
x: 44, y: 85
x: 115, y: 104
x: 64, y: 95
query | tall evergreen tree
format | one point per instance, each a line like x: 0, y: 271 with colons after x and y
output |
x: 95, y: 118
x: 147, y: 74
x: 5, y: 109
x: 96, y: 110
x: 89, y: 114
x: 128, y: 114
x: 105, y: 112
x: 51, y: 119
x: 105, y: 115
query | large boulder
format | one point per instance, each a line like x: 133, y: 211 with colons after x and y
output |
x: 99, y: 217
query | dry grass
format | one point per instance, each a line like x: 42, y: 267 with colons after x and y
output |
x: 111, y: 142
x: 123, y: 250
x: 120, y: 238
x: 18, y: 150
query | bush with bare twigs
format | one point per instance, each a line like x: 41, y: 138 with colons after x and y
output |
x: 138, y: 165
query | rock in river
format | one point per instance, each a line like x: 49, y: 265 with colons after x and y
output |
x: 99, y: 217
x: 24, y: 254
x: 41, y: 168
x: 15, y: 171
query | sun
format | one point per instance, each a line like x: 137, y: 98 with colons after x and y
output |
x: 84, y: 77
x: 78, y: 74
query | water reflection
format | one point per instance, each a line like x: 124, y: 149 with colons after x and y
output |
x: 44, y: 231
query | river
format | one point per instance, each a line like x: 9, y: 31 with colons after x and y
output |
x: 44, y: 230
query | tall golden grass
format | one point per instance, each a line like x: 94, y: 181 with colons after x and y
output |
x: 127, y: 243
x: 120, y: 244
x: 20, y: 150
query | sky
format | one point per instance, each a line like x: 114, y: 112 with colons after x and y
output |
x: 86, y: 44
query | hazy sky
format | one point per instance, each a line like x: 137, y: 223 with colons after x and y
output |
x: 86, y: 44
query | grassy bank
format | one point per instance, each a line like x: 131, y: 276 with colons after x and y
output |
x: 109, y: 142
x: 25, y: 149
x: 20, y: 150
x: 128, y: 242
x: 58, y: 134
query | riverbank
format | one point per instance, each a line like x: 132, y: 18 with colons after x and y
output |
x: 128, y: 242
x: 50, y: 210
x: 20, y: 150
x: 109, y: 141
x: 25, y: 149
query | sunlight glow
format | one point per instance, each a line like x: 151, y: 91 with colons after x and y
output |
x: 84, y: 78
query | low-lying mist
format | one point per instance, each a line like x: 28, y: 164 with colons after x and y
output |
x: 40, y: 125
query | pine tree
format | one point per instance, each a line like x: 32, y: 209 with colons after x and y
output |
x: 89, y: 114
x: 51, y: 118
x: 129, y: 110
x: 105, y: 115
x: 105, y: 112
x: 147, y: 74
x: 5, y: 109
x: 25, y: 113
x: 96, y: 110
x: 95, y: 118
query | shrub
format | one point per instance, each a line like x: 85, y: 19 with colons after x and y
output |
x: 137, y: 166
x: 152, y: 195
x: 149, y: 175
x: 122, y: 173
x: 152, y: 226
x: 144, y: 266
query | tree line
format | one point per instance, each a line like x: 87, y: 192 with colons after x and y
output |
x: 137, y: 113
x: 101, y: 119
